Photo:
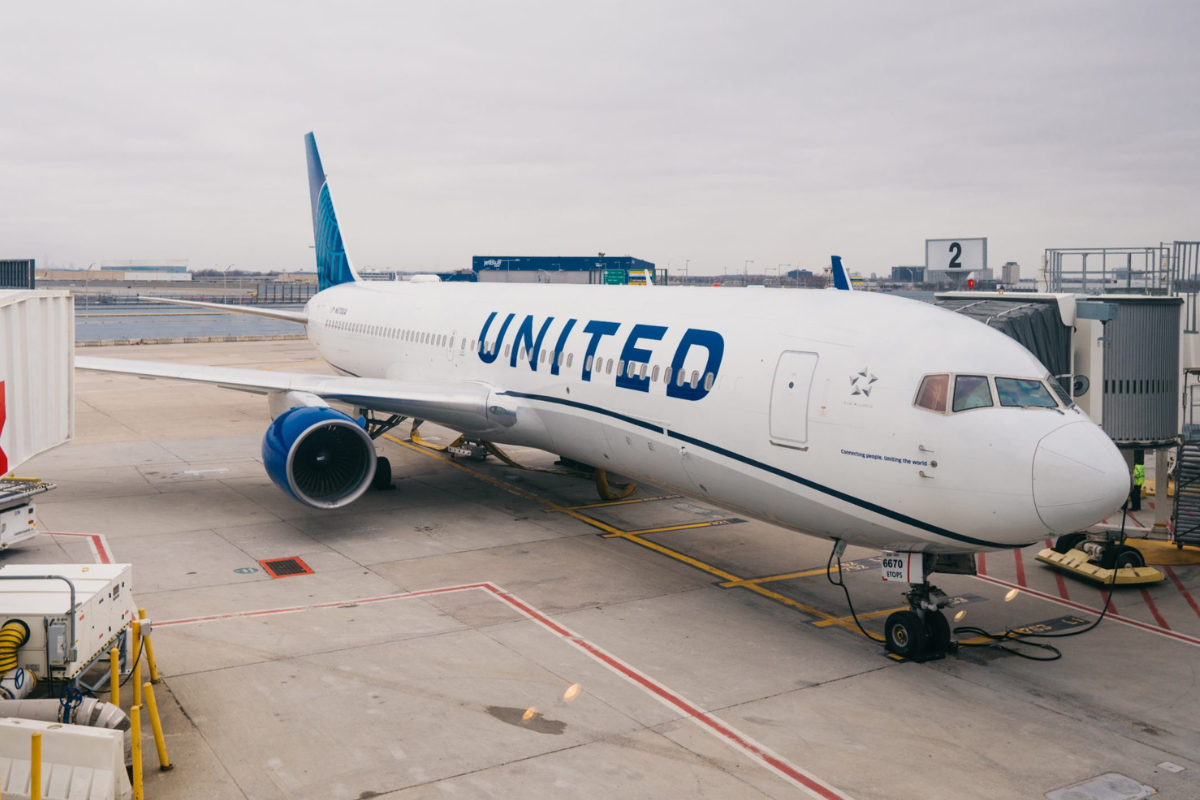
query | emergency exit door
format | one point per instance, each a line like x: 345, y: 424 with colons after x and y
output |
x: 789, y: 398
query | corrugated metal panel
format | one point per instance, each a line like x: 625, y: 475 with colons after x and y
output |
x: 1141, y: 371
x: 37, y: 374
x: 18, y: 274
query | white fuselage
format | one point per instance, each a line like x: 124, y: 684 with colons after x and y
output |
x: 808, y: 420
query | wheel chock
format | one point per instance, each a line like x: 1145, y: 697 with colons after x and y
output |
x: 1077, y: 562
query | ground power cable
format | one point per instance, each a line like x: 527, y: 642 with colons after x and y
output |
x: 1021, y: 637
x: 995, y: 640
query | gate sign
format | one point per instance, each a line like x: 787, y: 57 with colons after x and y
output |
x: 955, y: 255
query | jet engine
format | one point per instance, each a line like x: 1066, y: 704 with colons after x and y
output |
x: 319, y: 456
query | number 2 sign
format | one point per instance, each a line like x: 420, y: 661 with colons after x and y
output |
x: 955, y: 255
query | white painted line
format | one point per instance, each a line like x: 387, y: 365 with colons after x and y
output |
x: 96, y: 541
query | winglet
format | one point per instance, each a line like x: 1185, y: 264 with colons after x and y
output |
x: 841, y: 278
x: 333, y: 264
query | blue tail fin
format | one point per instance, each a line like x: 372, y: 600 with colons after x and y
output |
x: 841, y: 278
x: 333, y: 265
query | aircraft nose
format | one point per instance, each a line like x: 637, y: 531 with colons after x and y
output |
x: 1079, y: 478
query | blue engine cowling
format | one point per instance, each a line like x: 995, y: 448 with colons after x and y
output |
x: 319, y: 456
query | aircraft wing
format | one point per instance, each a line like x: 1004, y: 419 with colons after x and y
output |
x: 260, y: 311
x: 462, y: 406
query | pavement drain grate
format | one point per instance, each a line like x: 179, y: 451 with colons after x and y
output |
x: 285, y: 567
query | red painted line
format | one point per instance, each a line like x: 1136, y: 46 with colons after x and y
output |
x: 96, y: 541
x: 756, y: 751
x: 1112, y: 605
x: 1191, y: 601
x: 265, y: 612
x: 1181, y: 637
x: 980, y: 564
x: 800, y: 777
x: 1020, y: 567
x: 1058, y: 578
x: 1154, y: 609
x: 1135, y: 520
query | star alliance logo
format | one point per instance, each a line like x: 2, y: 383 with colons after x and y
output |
x: 861, y: 382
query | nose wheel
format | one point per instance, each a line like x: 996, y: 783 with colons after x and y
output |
x: 922, y: 632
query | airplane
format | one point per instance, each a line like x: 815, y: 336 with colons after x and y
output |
x: 857, y: 417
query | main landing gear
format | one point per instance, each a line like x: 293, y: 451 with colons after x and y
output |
x: 921, y: 633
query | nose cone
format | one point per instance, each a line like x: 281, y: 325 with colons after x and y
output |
x: 1079, y: 478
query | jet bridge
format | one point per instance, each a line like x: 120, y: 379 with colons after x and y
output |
x: 37, y: 397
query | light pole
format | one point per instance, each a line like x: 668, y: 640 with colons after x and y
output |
x: 779, y: 274
x: 687, y: 263
x: 87, y: 292
x: 225, y: 284
x: 746, y: 273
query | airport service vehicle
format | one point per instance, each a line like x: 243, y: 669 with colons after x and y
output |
x: 859, y: 417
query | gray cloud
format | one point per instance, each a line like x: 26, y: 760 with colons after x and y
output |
x: 776, y: 132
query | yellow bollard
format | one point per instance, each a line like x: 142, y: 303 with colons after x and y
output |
x: 114, y: 676
x: 135, y: 728
x: 164, y: 763
x: 137, y: 663
x: 35, y: 767
x: 150, y: 662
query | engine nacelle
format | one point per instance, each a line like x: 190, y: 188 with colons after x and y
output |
x: 319, y: 456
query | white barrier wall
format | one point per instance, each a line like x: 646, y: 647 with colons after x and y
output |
x: 77, y: 761
x: 37, y: 374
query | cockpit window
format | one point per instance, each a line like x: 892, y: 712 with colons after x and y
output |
x: 1060, y: 392
x: 1024, y: 393
x: 971, y: 391
x: 933, y: 392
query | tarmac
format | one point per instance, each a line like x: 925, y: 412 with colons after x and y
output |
x: 482, y: 631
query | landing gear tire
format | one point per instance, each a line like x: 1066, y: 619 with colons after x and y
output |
x: 383, y: 475
x: 1122, y: 556
x: 939, y: 632
x: 1068, y: 542
x: 905, y: 635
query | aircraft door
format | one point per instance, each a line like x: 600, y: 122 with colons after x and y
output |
x: 790, y: 398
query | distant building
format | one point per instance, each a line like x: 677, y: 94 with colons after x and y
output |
x: 908, y: 274
x: 159, y: 270
x: 1010, y: 274
x: 560, y: 269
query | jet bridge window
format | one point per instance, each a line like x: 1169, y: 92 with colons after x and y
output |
x: 971, y: 391
x: 933, y: 392
x: 1024, y: 393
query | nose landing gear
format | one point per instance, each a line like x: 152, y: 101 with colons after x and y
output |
x: 921, y: 633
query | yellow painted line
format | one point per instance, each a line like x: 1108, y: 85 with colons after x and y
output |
x: 787, y: 576
x: 869, y: 615
x: 615, y: 503
x: 666, y: 528
x: 648, y: 544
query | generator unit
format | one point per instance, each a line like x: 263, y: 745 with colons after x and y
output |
x: 75, y: 613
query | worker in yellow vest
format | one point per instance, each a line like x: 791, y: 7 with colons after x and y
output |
x: 1139, y: 478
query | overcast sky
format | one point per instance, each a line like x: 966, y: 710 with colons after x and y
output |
x: 778, y: 132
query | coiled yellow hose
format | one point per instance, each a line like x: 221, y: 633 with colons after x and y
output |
x: 13, y: 635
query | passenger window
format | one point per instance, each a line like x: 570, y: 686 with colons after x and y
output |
x: 933, y: 392
x: 620, y: 367
x: 542, y: 357
x: 971, y: 391
x: 507, y: 350
x: 570, y: 358
x: 642, y: 371
x: 1024, y: 393
x: 631, y: 370
x: 588, y: 364
x: 666, y: 374
x: 708, y: 382
x: 680, y: 377
x: 695, y: 379
x: 521, y: 354
x: 451, y: 342
x: 560, y: 358
x: 654, y: 374
x: 608, y: 368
